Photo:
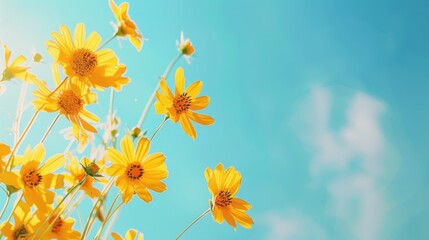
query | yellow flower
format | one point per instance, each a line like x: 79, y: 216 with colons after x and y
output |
x: 135, y: 171
x: 130, y: 235
x: 126, y: 26
x: 82, y: 60
x: 35, y: 180
x: 4, y: 151
x: 69, y: 100
x: 24, y: 223
x: 15, y: 69
x: 185, y: 47
x: 62, y: 228
x: 223, y: 185
x: 77, y: 173
x: 179, y: 107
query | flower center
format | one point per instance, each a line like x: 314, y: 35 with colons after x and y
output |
x: 223, y: 199
x: 20, y: 233
x: 181, y: 103
x: 70, y: 102
x: 32, y: 179
x: 83, y: 62
x: 135, y: 171
x: 56, y: 227
x: 7, y: 74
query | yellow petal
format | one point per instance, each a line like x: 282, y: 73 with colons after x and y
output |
x: 200, y: 118
x: 199, y: 103
x: 10, y: 178
x: 79, y: 35
x: 93, y: 41
x: 127, y: 148
x: 52, y: 164
x: 142, y: 149
x: 143, y: 193
x: 53, y: 181
x: 116, y: 157
x: 208, y: 174
x: 116, y: 236
x: 164, y: 87
x: 131, y: 234
x: 194, y: 89
x: 187, y: 126
x: 180, y: 80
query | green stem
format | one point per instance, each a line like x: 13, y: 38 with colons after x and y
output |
x: 109, y: 214
x: 5, y: 205
x: 49, y: 128
x: 71, y: 191
x: 106, y: 42
x: 159, y: 128
x: 152, y: 97
x: 196, y: 220
x: 19, y: 110
x: 88, y: 224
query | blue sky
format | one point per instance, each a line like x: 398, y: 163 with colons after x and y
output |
x: 320, y: 106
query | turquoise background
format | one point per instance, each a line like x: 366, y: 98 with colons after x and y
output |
x: 287, y: 81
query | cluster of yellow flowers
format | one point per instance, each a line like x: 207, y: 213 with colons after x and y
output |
x: 87, y: 66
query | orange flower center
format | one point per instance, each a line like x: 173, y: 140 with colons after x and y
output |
x: 223, y: 199
x: 56, y: 227
x: 32, y: 179
x: 83, y: 62
x: 135, y: 171
x: 181, y: 103
x: 20, y: 233
x: 70, y: 102
x: 187, y: 48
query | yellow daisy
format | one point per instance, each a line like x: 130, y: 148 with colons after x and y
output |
x: 15, y: 69
x: 223, y: 185
x: 126, y: 26
x: 82, y: 60
x: 4, y: 151
x: 69, y: 100
x: 130, y: 235
x: 77, y: 173
x: 180, y: 106
x: 136, y: 172
x: 185, y: 47
x: 35, y: 180
x: 62, y: 228
x: 24, y: 223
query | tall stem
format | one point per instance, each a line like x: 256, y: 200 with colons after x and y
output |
x: 107, y: 41
x: 19, y: 110
x: 109, y: 214
x: 49, y: 128
x: 5, y: 205
x: 152, y: 97
x: 88, y: 224
x: 196, y: 220
x: 13, y: 210
x: 159, y: 128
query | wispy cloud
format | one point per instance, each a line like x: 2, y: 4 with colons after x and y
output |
x: 292, y: 226
x: 353, y: 154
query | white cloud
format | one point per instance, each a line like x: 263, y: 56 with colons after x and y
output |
x: 353, y: 153
x: 292, y: 226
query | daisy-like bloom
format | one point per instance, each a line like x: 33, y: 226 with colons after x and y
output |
x: 15, y: 68
x: 82, y: 60
x: 24, y: 223
x: 77, y: 173
x: 35, y: 180
x: 137, y: 172
x: 130, y: 235
x: 223, y: 185
x: 180, y: 106
x: 4, y: 151
x: 126, y: 26
x: 185, y: 47
x: 62, y: 228
x: 69, y: 100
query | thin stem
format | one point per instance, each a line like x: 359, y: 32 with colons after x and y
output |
x: 88, y: 224
x: 109, y: 213
x: 107, y: 41
x: 15, y: 148
x: 5, y: 205
x: 152, y: 97
x: 71, y: 191
x: 49, y: 128
x: 159, y: 128
x: 112, y: 97
x: 196, y: 220
x: 13, y: 210
x: 19, y: 110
